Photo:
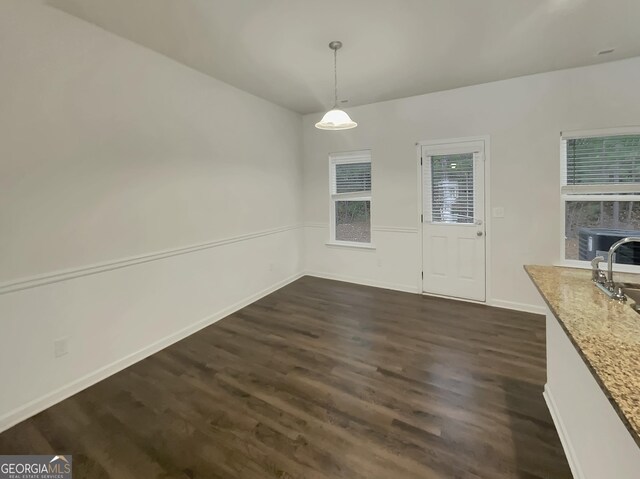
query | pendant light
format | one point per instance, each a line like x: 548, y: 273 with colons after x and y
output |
x: 335, y: 119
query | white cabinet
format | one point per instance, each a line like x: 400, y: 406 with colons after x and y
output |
x: 597, y: 443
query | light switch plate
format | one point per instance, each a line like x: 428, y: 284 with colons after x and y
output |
x: 498, y: 212
x: 60, y: 347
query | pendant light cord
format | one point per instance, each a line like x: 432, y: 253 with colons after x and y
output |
x: 335, y: 78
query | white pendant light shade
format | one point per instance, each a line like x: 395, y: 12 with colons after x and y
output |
x: 336, y: 120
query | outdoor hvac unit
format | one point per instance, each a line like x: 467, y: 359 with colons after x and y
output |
x: 594, y: 242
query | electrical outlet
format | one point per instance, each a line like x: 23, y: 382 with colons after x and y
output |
x: 60, y: 347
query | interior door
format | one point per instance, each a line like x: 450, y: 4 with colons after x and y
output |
x: 453, y: 229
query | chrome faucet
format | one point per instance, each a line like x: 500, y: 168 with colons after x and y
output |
x: 605, y: 282
x: 612, y: 250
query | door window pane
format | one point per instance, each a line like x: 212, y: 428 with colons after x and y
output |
x: 591, y: 227
x: 353, y: 221
x: 452, y: 188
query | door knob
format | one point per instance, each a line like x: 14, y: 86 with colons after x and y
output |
x: 479, y: 233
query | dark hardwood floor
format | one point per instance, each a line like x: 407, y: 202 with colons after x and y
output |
x: 321, y: 380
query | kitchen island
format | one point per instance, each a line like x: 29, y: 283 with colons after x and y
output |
x: 593, y: 372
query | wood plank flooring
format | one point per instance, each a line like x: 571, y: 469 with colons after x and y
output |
x: 321, y: 380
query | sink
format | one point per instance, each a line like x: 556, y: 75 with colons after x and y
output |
x: 632, y: 291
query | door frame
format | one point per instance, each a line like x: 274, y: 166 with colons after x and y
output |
x: 488, y: 230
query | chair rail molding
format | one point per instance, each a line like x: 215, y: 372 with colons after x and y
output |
x: 386, y: 229
x: 71, y: 273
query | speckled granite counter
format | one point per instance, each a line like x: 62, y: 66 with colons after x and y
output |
x: 606, y: 333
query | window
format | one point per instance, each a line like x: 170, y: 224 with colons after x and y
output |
x: 601, y: 195
x: 452, y: 188
x: 350, y: 190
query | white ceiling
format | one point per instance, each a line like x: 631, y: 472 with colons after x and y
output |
x: 277, y: 49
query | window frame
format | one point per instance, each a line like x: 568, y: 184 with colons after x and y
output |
x: 341, y: 158
x: 595, y: 193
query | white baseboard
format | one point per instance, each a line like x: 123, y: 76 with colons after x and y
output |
x: 34, y: 407
x: 454, y: 298
x: 498, y: 303
x: 363, y: 281
x: 562, y: 433
x: 526, y: 308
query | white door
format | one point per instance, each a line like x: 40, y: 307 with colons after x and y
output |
x: 453, y: 230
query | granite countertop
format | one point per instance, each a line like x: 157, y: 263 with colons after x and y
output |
x: 605, y: 332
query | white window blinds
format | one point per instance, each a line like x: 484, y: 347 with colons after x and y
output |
x: 604, y: 164
x: 352, y: 177
x: 452, y: 189
x: 351, y: 173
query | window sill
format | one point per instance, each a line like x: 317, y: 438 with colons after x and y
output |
x: 617, y: 267
x: 340, y: 244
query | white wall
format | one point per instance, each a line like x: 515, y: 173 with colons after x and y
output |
x: 523, y: 117
x: 139, y: 201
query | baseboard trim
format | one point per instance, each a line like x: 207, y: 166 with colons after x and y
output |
x: 64, y: 275
x: 363, y: 281
x: 526, y: 308
x: 37, y: 405
x: 576, y: 470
